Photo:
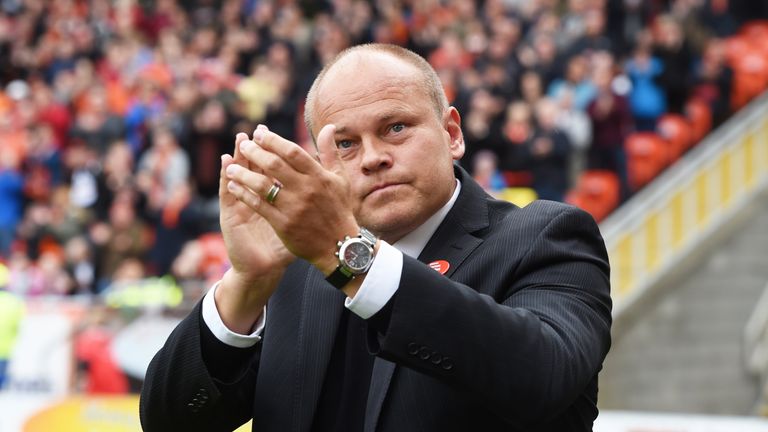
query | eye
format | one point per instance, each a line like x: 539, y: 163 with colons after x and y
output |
x: 344, y: 144
x: 398, y: 127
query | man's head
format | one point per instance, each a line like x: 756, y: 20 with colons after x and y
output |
x: 430, y: 82
x: 396, y: 136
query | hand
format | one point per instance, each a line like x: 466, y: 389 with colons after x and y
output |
x: 257, y: 255
x: 314, y: 208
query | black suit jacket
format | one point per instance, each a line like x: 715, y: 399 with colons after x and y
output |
x: 511, y: 338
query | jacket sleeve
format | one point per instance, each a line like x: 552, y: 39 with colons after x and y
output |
x: 524, y: 333
x: 197, y: 383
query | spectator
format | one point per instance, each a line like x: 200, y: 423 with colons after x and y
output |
x: 548, y: 153
x: 713, y: 80
x: 517, y: 131
x: 646, y: 99
x: 11, y: 184
x: 676, y: 56
x: 124, y: 236
x: 577, y: 126
x: 611, y: 122
x: 576, y: 83
x: 163, y: 168
x: 485, y: 169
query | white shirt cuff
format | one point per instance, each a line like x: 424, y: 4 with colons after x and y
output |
x: 213, y: 320
x: 380, y: 283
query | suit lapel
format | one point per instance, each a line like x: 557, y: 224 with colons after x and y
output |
x: 321, y: 308
x: 452, y: 242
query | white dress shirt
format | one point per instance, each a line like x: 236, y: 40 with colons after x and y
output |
x: 377, y: 289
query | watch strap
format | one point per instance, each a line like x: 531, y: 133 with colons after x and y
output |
x: 340, y: 277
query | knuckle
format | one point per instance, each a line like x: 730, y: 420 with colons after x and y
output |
x: 293, y: 152
x: 272, y: 164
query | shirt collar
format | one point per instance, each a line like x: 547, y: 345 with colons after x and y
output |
x: 413, y: 242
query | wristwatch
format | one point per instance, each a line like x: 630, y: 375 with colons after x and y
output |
x: 355, y: 258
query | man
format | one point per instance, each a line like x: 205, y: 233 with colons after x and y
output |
x: 501, y: 324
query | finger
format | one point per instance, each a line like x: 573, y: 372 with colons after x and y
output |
x: 292, y: 153
x: 326, y: 148
x: 238, y: 157
x: 224, y: 195
x: 269, y: 163
x: 255, y: 200
x: 256, y: 182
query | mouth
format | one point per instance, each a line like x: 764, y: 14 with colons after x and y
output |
x: 382, y: 187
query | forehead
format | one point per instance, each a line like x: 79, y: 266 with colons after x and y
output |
x: 367, y: 82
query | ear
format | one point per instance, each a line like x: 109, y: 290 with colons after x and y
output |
x: 452, y: 126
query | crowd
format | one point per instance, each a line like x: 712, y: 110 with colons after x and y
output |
x: 113, y: 112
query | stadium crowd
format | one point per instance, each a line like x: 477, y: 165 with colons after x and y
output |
x: 113, y: 112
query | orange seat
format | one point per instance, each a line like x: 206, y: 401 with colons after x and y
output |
x: 596, y: 192
x: 699, y: 115
x: 676, y: 130
x: 647, y: 156
x: 736, y: 47
x: 750, y: 76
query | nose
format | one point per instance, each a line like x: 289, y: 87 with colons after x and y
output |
x: 376, y: 156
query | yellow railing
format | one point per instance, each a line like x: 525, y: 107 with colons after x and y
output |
x: 668, y: 220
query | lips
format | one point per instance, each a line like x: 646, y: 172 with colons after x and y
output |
x: 382, y: 186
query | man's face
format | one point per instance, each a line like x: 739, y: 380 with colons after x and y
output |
x: 397, y: 153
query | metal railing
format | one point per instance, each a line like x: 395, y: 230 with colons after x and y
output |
x: 668, y: 220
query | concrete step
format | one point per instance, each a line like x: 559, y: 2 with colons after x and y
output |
x: 685, y: 352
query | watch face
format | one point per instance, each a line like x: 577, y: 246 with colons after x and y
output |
x: 357, y: 256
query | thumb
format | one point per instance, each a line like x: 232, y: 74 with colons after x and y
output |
x: 326, y: 149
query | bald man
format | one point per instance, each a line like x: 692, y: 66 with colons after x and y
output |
x: 375, y: 287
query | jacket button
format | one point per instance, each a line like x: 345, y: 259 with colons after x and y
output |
x: 192, y: 407
x: 436, y: 359
x: 447, y: 363
x: 424, y: 353
x: 413, y: 348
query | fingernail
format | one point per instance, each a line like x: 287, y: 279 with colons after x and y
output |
x: 258, y: 135
x: 262, y: 127
x: 231, y: 170
x: 233, y: 187
x: 246, y: 145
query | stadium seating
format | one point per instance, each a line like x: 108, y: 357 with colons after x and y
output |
x: 597, y: 192
x: 677, y: 132
x: 647, y: 156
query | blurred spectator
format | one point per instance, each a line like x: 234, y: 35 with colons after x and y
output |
x: 11, y: 185
x: 676, y: 57
x: 646, y: 99
x: 713, y: 80
x: 482, y: 127
x: 100, y: 372
x: 517, y: 131
x: 576, y: 85
x: 79, y: 265
x: 485, y: 166
x: 548, y: 153
x: 577, y: 126
x: 611, y: 122
x: 162, y: 168
x: 178, y: 221
x: 122, y: 237
x: 95, y: 124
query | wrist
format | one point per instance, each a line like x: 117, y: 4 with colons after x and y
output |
x: 240, y: 300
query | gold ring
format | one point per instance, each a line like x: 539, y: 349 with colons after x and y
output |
x: 273, y: 191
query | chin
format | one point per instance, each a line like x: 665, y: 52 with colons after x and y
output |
x: 393, y: 219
